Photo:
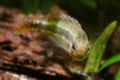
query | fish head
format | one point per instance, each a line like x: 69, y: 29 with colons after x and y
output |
x: 80, y: 50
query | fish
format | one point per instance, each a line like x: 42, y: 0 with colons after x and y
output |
x: 65, y: 32
x: 71, y: 37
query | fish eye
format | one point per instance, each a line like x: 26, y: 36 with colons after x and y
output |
x: 73, y: 47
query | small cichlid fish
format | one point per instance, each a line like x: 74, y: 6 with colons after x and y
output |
x: 66, y: 32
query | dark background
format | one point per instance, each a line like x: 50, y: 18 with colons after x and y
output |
x: 94, y: 15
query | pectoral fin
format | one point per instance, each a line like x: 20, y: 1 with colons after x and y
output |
x: 61, y: 42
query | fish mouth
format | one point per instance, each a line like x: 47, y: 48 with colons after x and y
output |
x: 79, y: 54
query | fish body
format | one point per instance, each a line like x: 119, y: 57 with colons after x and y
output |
x: 67, y: 33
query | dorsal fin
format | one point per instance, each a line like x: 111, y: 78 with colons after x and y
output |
x: 70, y: 19
x: 55, y: 12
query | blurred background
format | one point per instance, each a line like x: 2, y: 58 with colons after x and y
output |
x: 27, y: 51
x: 94, y: 15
